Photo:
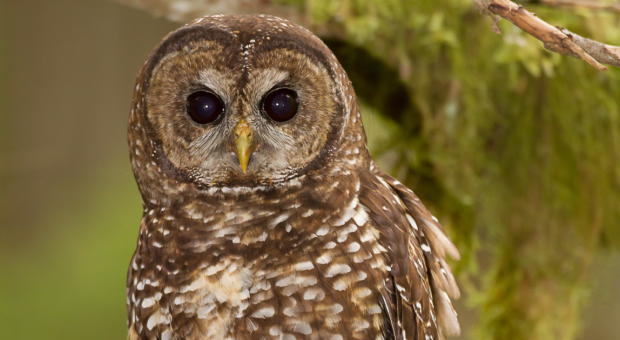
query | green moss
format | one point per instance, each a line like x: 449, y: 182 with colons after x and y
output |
x: 515, y: 148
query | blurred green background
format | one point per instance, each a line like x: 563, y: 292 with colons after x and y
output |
x: 515, y: 149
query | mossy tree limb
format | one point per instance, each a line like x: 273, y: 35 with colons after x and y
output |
x: 555, y: 39
x: 575, y: 4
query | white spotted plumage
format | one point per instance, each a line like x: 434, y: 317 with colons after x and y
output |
x: 313, y: 242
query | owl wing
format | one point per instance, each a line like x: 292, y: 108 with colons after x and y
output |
x: 418, y: 289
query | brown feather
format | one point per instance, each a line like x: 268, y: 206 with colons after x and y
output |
x: 312, y: 242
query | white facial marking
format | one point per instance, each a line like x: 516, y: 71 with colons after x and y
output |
x: 353, y: 247
x: 314, y: 293
x: 203, y: 312
x: 361, y: 216
x: 281, y: 218
x: 337, y: 269
x: 323, y: 230
x: 286, y: 281
x: 275, y: 330
x: 325, y: 258
x: 412, y: 222
x: 374, y: 310
x: 263, y: 313
x: 158, y: 318
x: 340, y: 285
x: 146, y: 303
x: 304, y: 266
x: 303, y: 328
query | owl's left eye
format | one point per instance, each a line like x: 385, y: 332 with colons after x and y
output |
x: 204, y: 107
x: 280, y: 105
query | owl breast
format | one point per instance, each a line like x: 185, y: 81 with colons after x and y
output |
x: 296, y: 273
x: 215, y: 297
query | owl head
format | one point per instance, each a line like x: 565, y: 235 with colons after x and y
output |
x: 231, y: 103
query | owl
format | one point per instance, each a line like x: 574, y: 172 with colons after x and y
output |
x: 265, y: 217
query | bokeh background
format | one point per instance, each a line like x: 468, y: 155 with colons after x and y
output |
x: 515, y: 149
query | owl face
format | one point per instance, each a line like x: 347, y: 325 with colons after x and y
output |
x: 249, y: 108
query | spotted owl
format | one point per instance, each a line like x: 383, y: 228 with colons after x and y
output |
x: 265, y: 217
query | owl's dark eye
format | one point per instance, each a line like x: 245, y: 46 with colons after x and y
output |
x: 281, y: 105
x: 204, y: 107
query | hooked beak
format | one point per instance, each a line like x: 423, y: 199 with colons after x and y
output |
x: 243, y: 143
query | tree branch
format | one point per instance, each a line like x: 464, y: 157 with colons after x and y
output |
x: 615, y: 7
x: 555, y: 39
x: 188, y: 10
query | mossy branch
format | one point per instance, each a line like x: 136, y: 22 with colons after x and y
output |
x: 589, y: 4
x: 186, y: 11
x: 555, y: 39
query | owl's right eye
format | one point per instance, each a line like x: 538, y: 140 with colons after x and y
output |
x: 204, y: 107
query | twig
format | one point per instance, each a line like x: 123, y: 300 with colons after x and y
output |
x: 187, y: 10
x: 555, y: 39
x: 615, y: 7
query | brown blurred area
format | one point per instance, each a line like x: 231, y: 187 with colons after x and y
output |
x: 67, y: 70
x: 69, y: 67
x: 69, y: 208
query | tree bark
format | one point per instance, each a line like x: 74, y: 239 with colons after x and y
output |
x: 555, y: 39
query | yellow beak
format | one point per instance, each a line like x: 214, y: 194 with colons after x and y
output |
x: 243, y: 143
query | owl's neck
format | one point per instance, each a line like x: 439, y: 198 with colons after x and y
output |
x: 243, y: 221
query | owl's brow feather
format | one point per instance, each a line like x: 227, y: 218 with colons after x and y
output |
x: 262, y: 81
x: 219, y: 82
